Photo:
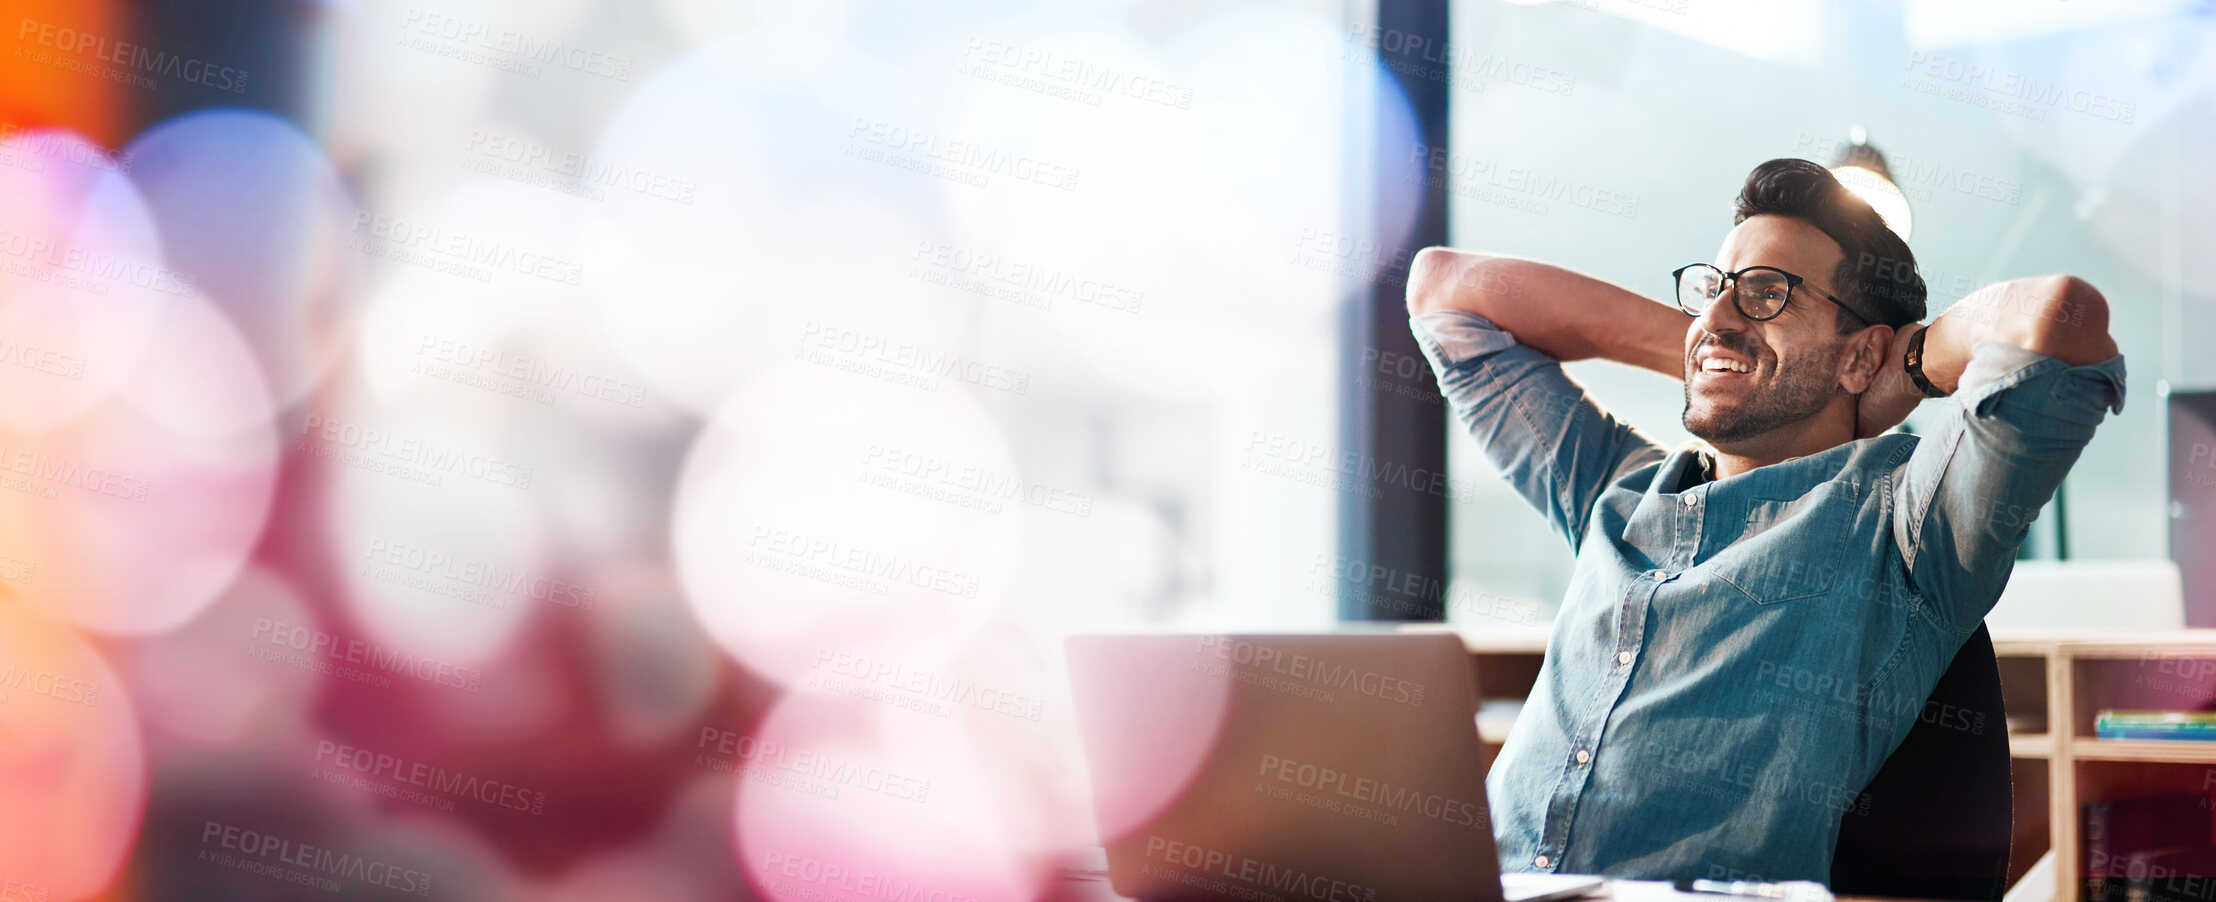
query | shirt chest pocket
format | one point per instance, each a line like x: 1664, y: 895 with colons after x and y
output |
x: 1791, y: 548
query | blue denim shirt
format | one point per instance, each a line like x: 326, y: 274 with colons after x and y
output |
x: 1736, y: 657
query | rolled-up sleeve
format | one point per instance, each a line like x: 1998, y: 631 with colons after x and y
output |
x: 1556, y: 446
x: 1970, y: 490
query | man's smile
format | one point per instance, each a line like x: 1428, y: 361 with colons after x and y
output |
x: 1714, y: 367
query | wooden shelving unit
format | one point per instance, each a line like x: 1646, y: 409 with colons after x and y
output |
x: 2057, y: 680
x: 2031, y: 746
x: 2168, y: 671
x: 2148, y: 751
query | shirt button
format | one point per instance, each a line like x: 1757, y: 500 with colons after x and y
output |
x: 1542, y: 861
x: 1654, y: 574
x: 1584, y: 757
x: 1623, y: 657
x: 1691, y: 500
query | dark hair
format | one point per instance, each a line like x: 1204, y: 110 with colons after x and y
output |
x: 1878, y: 275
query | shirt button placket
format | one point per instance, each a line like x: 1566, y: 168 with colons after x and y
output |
x: 1689, y: 531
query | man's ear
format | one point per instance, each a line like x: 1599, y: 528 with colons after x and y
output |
x: 1864, y: 356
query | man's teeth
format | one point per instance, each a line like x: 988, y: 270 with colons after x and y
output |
x: 1714, y: 365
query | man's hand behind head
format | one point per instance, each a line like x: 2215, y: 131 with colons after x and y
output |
x: 1891, y: 396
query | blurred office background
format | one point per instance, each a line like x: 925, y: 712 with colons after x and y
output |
x: 580, y: 449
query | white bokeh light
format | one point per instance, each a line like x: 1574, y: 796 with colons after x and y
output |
x: 828, y: 511
x: 439, y: 544
x: 777, y: 224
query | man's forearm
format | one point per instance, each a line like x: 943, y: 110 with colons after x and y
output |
x: 2059, y: 316
x: 1563, y: 314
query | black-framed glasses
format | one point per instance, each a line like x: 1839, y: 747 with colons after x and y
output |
x: 1761, y: 295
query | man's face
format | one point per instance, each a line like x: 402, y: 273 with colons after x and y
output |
x: 1791, y: 361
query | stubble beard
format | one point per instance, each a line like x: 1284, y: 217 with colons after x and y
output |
x: 1799, y: 390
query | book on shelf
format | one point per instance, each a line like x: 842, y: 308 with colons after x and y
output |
x: 2172, y: 875
x: 2134, y: 724
x: 2118, y: 830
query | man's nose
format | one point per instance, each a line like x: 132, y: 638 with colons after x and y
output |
x: 1722, y: 315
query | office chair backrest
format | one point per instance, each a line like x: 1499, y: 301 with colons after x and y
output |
x: 1939, y: 814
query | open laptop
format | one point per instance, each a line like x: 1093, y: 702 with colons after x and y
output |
x: 1337, y: 768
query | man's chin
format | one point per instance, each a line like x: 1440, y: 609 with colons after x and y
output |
x: 1713, y: 426
x: 1719, y: 416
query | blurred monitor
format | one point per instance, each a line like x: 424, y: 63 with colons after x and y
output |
x: 2193, y: 501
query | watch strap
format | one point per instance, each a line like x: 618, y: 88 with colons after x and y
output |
x: 1913, y: 362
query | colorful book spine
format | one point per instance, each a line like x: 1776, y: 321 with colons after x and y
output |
x: 2165, y: 735
x: 2129, y: 724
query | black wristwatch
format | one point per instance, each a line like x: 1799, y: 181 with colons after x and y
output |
x: 1913, y: 362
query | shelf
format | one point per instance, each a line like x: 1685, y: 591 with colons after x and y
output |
x: 2184, y: 643
x: 1506, y: 640
x: 2030, y: 745
x: 2032, y: 643
x: 2155, y: 751
x: 2020, y: 643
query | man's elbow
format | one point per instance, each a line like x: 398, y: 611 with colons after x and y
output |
x: 1437, y: 278
x: 2070, y: 321
x: 1424, y: 285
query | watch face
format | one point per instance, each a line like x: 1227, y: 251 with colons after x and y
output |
x: 1913, y: 362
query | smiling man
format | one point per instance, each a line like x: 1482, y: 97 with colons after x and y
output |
x: 1755, y: 618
